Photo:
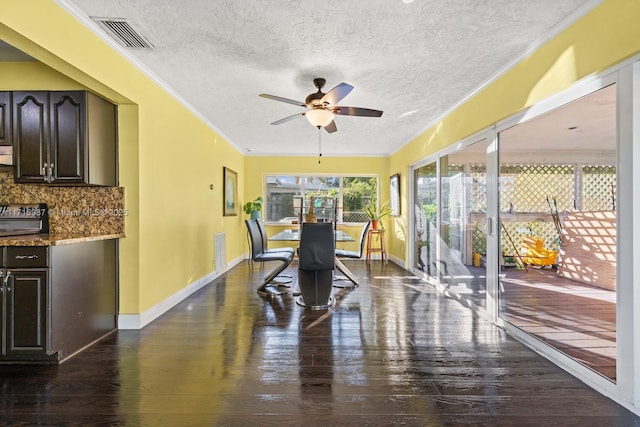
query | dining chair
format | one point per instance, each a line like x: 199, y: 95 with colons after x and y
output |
x: 265, y: 249
x: 316, y: 262
x: 267, y: 287
x: 265, y: 240
x: 341, y: 253
x: 345, y: 282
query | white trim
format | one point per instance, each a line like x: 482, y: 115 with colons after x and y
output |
x: 474, y: 138
x: 492, y: 216
x: 139, y: 321
x: 434, y: 158
x: 580, y: 88
x: 397, y: 261
x: 95, y: 28
x: 635, y: 207
x: 628, y: 272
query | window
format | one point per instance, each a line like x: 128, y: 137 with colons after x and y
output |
x: 353, y: 193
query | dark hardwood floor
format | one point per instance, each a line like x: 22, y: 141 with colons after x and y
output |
x: 391, y: 352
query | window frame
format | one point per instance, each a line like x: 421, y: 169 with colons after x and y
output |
x: 303, y: 177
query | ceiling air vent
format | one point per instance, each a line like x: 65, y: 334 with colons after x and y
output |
x: 124, y: 33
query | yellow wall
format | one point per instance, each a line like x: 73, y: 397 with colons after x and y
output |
x: 168, y: 157
x: 607, y: 35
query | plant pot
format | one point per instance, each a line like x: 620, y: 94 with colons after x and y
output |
x: 375, y: 224
x: 255, y: 215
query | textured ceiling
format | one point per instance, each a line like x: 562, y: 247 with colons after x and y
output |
x: 415, y: 61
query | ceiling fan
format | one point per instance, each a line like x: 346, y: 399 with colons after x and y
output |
x: 321, y: 107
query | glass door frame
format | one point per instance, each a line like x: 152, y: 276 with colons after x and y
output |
x: 579, y: 90
x: 626, y: 76
x: 488, y: 135
x: 412, y: 217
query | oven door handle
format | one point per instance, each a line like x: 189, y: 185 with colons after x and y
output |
x: 27, y: 256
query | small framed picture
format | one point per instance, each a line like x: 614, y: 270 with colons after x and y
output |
x: 394, y: 192
x: 230, y: 193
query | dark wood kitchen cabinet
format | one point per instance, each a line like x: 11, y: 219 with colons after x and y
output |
x: 24, y: 303
x: 56, y: 300
x: 27, y: 294
x: 65, y: 138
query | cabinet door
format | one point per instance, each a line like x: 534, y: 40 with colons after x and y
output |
x: 30, y: 135
x: 5, y: 118
x: 68, y: 115
x: 26, y: 320
x: 3, y: 348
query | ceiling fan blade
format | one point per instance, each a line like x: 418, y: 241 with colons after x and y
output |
x: 288, y: 118
x: 356, y: 111
x: 337, y: 93
x: 281, y: 99
x: 331, y: 127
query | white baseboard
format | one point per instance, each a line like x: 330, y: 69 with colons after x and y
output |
x: 139, y: 321
x: 397, y: 261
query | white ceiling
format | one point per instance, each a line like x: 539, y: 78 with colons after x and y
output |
x: 413, y: 60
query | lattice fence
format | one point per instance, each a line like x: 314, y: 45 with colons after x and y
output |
x: 537, y: 190
x: 525, y: 188
x: 598, y: 188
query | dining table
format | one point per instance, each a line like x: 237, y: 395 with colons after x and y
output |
x: 293, y: 235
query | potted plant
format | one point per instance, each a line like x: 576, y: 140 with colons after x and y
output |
x: 254, y: 208
x: 374, y: 214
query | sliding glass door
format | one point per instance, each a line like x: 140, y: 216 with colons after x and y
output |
x: 425, y: 189
x: 524, y: 226
x: 463, y: 231
x: 557, y: 198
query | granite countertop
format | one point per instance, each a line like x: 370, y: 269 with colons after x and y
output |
x: 57, y: 239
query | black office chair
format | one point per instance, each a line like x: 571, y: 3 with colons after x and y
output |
x: 316, y: 262
x: 258, y: 255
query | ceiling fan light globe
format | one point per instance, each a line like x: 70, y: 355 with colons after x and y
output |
x: 319, y: 117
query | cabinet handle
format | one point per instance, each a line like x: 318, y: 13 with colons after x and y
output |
x: 51, y: 166
x: 6, y: 281
x: 43, y: 172
x: 27, y: 256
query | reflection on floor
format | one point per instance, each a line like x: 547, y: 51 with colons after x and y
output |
x: 393, y: 351
x: 468, y: 282
x: 577, y: 319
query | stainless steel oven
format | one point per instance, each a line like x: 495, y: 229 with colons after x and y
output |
x: 21, y: 219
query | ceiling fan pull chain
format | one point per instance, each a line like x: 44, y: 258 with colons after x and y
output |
x: 319, y: 144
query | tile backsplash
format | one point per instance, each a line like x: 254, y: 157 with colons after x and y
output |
x: 77, y: 210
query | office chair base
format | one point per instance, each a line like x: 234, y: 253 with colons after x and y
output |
x: 331, y: 303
